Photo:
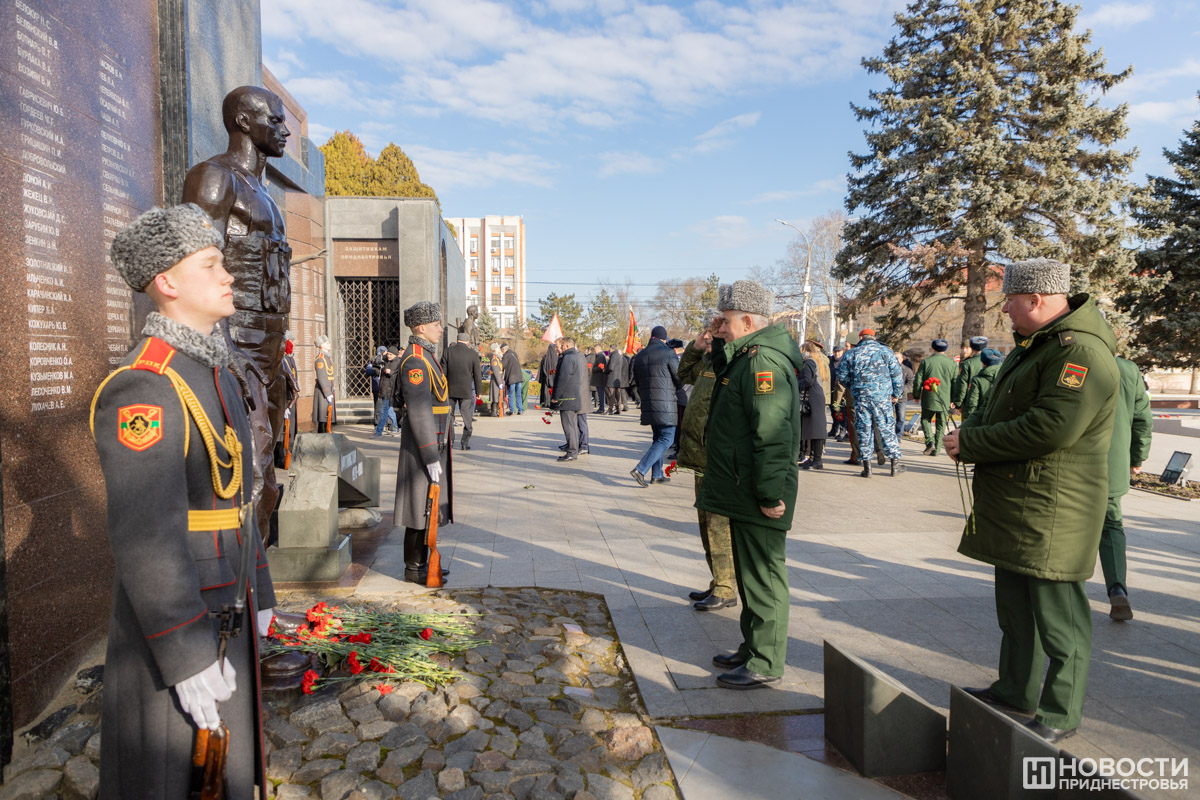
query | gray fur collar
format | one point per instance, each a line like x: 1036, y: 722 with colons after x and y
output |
x: 208, y: 350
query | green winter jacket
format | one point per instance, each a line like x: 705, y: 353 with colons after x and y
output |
x: 1131, y: 428
x: 753, y: 433
x: 979, y: 389
x: 967, y: 370
x: 942, y: 367
x: 695, y: 368
x: 1040, y: 445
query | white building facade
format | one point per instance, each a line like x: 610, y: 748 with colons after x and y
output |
x: 493, y: 248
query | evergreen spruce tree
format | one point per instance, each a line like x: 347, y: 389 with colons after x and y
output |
x: 987, y: 141
x: 347, y: 165
x: 570, y: 316
x: 1162, y: 297
x: 489, y: 329
x: 606, y: 322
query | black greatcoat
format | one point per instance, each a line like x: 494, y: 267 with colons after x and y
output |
x: 422, y: 387
x: 546, y: 372
x: 656, y: 374
x: 813, y: 425
x: 171, y: 576
x: 571, y: 381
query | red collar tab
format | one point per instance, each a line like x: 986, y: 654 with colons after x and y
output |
x: 155, y: 356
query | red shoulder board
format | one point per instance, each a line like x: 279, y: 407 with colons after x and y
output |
x: 155, y: 356
x: 418, y: 350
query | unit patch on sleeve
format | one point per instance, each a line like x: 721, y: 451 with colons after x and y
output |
x: 1073, y: 376
x: 764, y: 382
x: 416, y: 375
x: 139, y: 427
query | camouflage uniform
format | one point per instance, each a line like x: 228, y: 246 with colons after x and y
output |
x: 873, y: 377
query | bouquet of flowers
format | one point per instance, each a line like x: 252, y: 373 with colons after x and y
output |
x: 931, y: 384
x: 374, y: 645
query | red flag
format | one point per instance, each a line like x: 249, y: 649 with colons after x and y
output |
x: 553, y: 331
x: 633, y: 342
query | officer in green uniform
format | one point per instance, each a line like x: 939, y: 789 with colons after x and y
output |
x: 1040, y: 445
x: 175, y: 449
x: 751, y: 478
x: 696, y: 370
x: 981, y: 384
x: 968, y: 368
x: 938, y: 371
x: 1130, y: 447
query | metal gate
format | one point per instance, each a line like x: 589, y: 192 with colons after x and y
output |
x: 369, y: 314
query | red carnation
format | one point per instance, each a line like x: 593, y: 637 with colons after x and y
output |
x: 931, y: 384
x: 355, y: 667
x: 384, y: 688
x: 310, y: 681
x: 271, y: 628
x: 426, y: 634
x: 670, y: 469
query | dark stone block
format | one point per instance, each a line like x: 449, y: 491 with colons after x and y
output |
x: 988, y: 751
x: 878, y: 724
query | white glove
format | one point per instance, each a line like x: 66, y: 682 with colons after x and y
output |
x: 435, y: 471
x: 199, y: 694
x: 263, y: 620
x: 328, y: 398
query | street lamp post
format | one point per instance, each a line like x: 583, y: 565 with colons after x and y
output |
x: 807, y: 289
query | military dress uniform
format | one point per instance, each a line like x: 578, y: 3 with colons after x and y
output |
x: 174, y: 443
x: 323, y: 367
x: 967, y: 370
x: 872, y: 375
x: 424, y: 440
x: 935, y: 404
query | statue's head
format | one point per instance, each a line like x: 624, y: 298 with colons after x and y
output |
x: 472, y: 311
x: 258, y: 114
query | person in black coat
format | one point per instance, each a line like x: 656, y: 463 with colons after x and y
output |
x: 387, y: 369
x: 571, y: 386
x: 614, y: 380
x: 656, y: 373
x: 464, y: 376
x: 812, y: 422
x: 514, y: 376
x: 546, y: 372
x: 599, y: 378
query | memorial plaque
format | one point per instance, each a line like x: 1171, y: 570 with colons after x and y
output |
x: 79, y: 158
x: 366, y: 258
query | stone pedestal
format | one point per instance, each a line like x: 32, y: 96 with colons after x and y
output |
x: 327, y: 472
x: 988, y: 751
x: 877, y: 723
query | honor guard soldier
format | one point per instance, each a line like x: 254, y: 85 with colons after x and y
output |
x: 174, y: 443
x: 323, y: 408
x: 424, y: 437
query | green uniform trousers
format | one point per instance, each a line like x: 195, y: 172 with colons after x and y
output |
x: 1112, y: 545
x: 718, y: 550
x: 760, y: 563
x: 933, y: 425
x: 1040, y: 619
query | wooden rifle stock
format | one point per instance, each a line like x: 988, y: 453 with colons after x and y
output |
x: 208, y: 764
x: 433, y: 577
x: 287, y: 445
x: 329, y: 418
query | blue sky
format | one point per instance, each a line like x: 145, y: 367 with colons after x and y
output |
x: 644, y: 141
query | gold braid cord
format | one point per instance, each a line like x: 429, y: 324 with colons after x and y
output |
x: 230, y: 443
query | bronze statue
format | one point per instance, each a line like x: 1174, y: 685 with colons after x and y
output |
x: 230, y: 190
x: 471, y: 326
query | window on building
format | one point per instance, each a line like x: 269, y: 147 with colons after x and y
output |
x: 475, y: 264
x: 474, y: 287
x: 508, y: 262
x: 496, y: 264
x: 495, y: 283
x: 495, y: 242
x: 508, y: 243
x: 473, y: 299
x: 474, y: 244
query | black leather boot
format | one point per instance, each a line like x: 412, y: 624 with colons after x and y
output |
x: 866, y: 465
x: 414, y: 555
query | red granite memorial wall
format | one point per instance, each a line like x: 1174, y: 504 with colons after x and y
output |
x: 80, y: 155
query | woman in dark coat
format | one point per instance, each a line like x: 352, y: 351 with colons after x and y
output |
x: 814, y: 427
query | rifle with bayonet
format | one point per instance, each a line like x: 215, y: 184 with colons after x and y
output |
x: 211, y: 748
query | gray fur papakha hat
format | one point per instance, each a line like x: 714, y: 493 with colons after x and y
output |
x: 1037, y: 276
x: 422, y: 313
x: 748, y: 296
x: 160, y: 239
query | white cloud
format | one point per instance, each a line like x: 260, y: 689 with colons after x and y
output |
x: 340, y: 93
x: 726, y: 232
x: 730, y: 125
x: 446, y: 169
x: 1173, y: 112
x: 827, y: 186
x: 593, y: 63
x: 627, y: 163
x: 1117, y: 15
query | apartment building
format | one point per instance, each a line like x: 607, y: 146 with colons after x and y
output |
x: 493, y: 248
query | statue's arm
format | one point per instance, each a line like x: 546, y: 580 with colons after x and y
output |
x: 211, y: 187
